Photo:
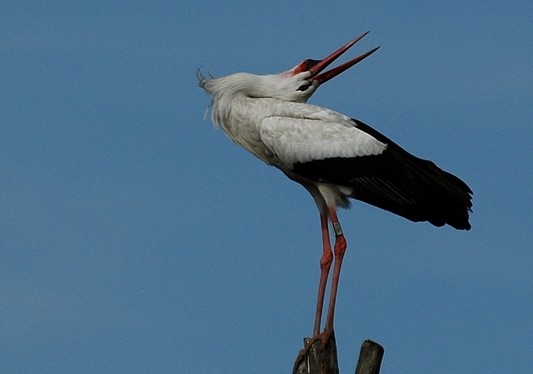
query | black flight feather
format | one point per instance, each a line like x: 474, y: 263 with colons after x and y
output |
x: 398, y: 182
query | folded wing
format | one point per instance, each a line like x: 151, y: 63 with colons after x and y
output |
x: 378, y: 171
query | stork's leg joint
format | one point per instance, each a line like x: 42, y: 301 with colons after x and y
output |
x: 326, y: 260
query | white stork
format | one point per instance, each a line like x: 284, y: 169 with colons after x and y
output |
x: 333, y: 156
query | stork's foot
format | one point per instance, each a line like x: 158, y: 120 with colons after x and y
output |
x: 320, y: 341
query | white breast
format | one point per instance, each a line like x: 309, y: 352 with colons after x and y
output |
x: 283, y: 133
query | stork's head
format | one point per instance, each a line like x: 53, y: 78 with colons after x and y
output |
x: 295, y: 85
x: 307, y: 76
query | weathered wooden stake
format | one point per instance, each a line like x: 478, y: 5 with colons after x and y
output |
x: 369, y: 358
x: 323, y: 360
x: 320, y: 360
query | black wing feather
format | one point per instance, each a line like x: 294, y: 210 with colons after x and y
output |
x: 398, y: 182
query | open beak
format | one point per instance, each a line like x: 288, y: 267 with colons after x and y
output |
x: 316, y: 66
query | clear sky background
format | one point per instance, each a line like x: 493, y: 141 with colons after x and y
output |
x: 135, y: 238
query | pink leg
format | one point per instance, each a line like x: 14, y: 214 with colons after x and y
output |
x: 339, y: 250
x: 325, y: 265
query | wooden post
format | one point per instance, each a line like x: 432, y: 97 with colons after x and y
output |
x: 369, y: 358
x: 323, y: 360
x: 319, y: 360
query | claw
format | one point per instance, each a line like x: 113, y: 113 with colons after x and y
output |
x: 324, y: 338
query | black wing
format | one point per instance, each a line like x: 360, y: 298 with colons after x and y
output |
x: 399, y: 182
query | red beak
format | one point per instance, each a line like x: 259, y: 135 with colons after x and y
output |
x: 316, y: 66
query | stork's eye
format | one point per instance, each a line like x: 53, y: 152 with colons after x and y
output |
x: 304, y: 86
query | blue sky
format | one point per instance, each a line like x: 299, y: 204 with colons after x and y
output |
x: 136, y: 238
